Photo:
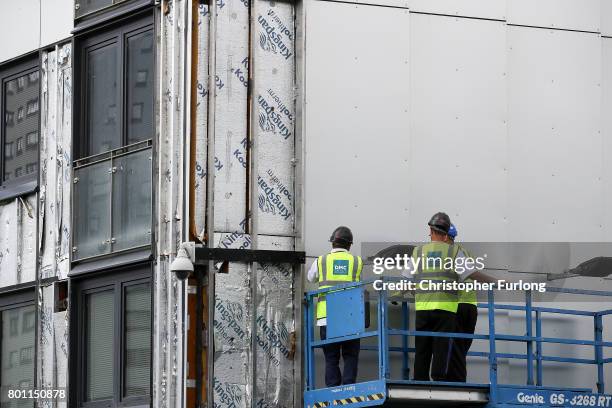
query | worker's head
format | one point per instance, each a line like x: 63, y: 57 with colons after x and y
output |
x: 452, y: 233
x: 342, y: 237
x: 439, y: 225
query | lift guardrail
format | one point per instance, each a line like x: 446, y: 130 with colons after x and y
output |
x: 345, y: 321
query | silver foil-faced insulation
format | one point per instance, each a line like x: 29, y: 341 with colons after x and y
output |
x: 55, y: 162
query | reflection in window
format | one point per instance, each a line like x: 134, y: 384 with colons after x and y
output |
x: 139, y: 108
x: 21, y: 111
x: 99, y: 345
x: 102, y: 98
x: 137, y: 340
x: 17, y: 353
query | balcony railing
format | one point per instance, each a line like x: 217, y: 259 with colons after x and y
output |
x: 112, y: 202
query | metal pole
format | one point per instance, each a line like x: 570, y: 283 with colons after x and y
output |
x: 528, y: 322
x: 538, y: 347
x: 405, y: 326
x: 381, y: 369
x: 385, y: 334
x: 309, y: 339
x: 599, y: 353
x: 492, y: 352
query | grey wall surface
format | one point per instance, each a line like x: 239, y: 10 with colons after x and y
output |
x: 27, y: 25
x: 496, y: 112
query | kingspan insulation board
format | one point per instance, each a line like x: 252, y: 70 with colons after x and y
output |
x: 231, y: 125
x: 274, y: 100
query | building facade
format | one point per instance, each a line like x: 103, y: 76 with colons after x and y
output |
x: 131, y: 126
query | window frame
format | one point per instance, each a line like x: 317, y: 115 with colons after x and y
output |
x: 117, y: 281
x: 14, y: 300
x: 27, y: 183
x: 119, y: 34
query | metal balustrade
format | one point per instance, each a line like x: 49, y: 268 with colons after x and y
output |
x: 491, y: 394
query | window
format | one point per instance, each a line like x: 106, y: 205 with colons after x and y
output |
x: 114, y: 339
x: 16, y: 345
x: 112, y: 193
x: 20, y: 106
x: 32, y: 140
x: 117, y: 88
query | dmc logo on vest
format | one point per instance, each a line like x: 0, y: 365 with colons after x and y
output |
x: 341, y: 267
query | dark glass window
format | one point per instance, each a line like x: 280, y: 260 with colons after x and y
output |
x: 19, y: 101
x: 99, y: 319
x: 113, y: 172
x: 114, y: 338
x: 17, y: 319
x: 118, y: 74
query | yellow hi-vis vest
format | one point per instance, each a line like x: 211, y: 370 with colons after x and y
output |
x: 336, y: 268
x: 465, y: 296
x: 431, y: 267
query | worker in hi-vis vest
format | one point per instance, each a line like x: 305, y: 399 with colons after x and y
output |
x: 466, y: 316
x: 335, y: 268
x: 436, y: 308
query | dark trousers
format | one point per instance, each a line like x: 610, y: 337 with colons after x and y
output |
x: 433, y: 352
x: 466, y: 323
x: 350, y: 354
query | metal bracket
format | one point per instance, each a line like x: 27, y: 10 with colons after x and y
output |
x: 205, y: 254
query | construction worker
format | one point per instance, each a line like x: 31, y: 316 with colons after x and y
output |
x: 466, y: 316
x: 435, y: 310
x: 335, y: 268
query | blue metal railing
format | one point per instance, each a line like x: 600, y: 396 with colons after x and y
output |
x: 534, y: 359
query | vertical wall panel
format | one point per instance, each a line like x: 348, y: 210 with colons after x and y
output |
x: 457, y: 138
x: 168, y: 318
x: 274, y: 100
x: 554, y: 136
x: 607, y: 133
x: 56, y: 20
x: 19, y: 28
x: 231, y: 81
x: 606, y: 18
x: 18, y: 240
x: 570, y: 14
x: 201, y: 121
x: 357, y: 123
x: 52, y: 356
x: 55, y: 163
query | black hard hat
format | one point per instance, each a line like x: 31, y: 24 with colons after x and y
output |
x: 342, y: 235
x: 440, y: 222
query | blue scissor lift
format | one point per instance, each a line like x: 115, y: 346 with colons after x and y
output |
x: 345, y: 321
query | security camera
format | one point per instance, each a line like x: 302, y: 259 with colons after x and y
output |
x: 182, y: 265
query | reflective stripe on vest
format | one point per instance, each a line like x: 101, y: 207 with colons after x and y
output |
x: 469, y: 297
x: 442, y: 299
x: 344, y: 268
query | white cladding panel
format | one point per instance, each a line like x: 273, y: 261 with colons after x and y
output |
x: 356, y: 122
x: 495, y: 9
x: 606, y: 17
x: 554, y: 139
x: 581, y: 15
x: 607, y: 132
x: 457, y: 142
x: 56, y: 20
x: 19, y: 27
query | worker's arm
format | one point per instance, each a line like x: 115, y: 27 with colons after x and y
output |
x: 313, y: 272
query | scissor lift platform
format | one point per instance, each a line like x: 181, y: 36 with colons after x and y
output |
x: 345, y: 321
